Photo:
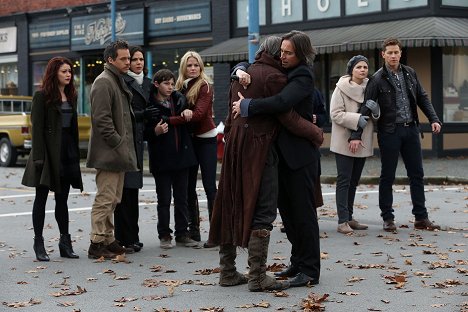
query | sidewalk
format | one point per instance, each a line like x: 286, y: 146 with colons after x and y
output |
x: 436, y: 170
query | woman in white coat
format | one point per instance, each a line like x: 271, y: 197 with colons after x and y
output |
x: 347, y: 115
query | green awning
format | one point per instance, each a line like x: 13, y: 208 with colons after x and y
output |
x: 417, y: 32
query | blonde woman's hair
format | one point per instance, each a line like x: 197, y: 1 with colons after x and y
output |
x: 192, y: 94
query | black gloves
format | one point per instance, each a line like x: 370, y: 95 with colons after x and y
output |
x: 151, y: 113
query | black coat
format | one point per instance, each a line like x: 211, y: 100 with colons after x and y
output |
x: 172, y: 150
x: 47, y: 143
x: 381, y: 89
x: 297, y: 94
x: 140, y: 100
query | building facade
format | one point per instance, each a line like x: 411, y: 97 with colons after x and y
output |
x: 434, y: 34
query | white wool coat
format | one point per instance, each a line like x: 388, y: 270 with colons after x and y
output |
x: 344, y: 107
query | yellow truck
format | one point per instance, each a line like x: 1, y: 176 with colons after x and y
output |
x: 15, y: 129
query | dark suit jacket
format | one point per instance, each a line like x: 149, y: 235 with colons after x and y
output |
x: 296, y: 151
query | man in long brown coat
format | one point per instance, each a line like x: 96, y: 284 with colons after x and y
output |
x: 246, y: 202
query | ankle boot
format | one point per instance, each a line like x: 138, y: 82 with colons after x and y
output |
x: 65, y: 247
x: 227, y: 264
x: 258, y: 253
x: 194, y: 219
x: 39, y: 249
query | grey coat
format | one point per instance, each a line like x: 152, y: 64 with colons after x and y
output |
x: 111, y: 145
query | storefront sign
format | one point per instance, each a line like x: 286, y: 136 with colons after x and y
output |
x: 46, y: 34
x: 95, y: 31
x: 317, y: 9
x: 460, y: 3
x: 362, y: 6
x: 284, y: 11
x: 243, y: 13
x: 169, y: 18
x: 403, y: 4
x: 7, y: 39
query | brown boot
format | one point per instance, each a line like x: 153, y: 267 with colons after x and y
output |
x: 355, y: 225
x: 98, y: 250
x: 258, y: 253
x: 229, y: 275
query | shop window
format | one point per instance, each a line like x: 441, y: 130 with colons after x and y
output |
x: 8, y: 79
x: 455, y: 83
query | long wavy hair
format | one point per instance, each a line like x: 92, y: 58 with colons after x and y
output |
x: 192, y: 94
x: 50, y: 82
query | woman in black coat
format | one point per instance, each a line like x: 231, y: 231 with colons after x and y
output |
x: 54, y: 161
x: 127, y: 211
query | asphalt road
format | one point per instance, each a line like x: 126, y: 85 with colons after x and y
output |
x: 370, y: 270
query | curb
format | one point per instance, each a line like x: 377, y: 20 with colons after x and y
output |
x: 328, y: 179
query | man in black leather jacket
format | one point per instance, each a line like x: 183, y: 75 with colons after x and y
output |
x: 399, y: 93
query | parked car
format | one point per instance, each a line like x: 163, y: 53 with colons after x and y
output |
x: 15, y: 129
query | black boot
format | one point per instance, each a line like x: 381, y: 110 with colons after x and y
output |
x: 65, y: 247
x: 194, y: 219
x: 39, y: 249
x: 210, y: 211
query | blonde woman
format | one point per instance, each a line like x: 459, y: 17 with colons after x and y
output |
x: 195, y: 85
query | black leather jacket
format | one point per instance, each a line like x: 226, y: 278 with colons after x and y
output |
x: 381, y: 90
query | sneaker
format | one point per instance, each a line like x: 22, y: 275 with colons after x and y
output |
x: 344, y: 228
x: 165, y: 242
x: 389, y: 225
x: 185, y: 241
x: 426, y: 224
x: 355, y: 225
x: 98, y: 250
x: 114, y: 247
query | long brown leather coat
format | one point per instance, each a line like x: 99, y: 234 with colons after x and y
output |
x: 247, y: 144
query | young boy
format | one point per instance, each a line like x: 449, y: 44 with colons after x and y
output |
x: 170, y: 155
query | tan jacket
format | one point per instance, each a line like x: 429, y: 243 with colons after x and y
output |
x: 111, y: 145
x: 344, y: 106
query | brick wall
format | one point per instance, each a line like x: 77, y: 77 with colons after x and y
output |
x: 24, y: 6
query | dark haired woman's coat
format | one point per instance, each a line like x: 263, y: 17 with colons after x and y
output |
x: 140, y: 100
x: 47, y: 142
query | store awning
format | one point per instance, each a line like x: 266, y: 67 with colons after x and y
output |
x: 417, y: 32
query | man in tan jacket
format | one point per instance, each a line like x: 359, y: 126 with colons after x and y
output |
x: 111, y: 147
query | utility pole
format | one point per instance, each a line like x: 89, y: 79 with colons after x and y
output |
x: 113, y: 14
x: 254, y: 29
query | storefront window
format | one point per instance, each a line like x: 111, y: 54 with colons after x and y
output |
x: 9, y: 79
x: 170, y: 59
x: 455, y: 82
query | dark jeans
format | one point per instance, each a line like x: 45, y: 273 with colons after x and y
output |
x: 205, y: 150
x: 405, y: 142
x: 175, y: 180
x: 61, y: 208
x: 297, y: 209
x: 265, y: 208
x: 126, y: 217
x: 349, y: 171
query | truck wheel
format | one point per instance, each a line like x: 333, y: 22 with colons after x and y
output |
x: 8, y: 154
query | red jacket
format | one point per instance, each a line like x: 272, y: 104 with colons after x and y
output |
x: 202, y: 118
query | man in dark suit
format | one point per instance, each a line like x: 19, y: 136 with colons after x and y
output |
x: 298, y: 159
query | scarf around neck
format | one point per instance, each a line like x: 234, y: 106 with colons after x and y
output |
x: 137, y: 77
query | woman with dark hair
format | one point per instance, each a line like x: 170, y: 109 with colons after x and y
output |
x: 54, y: 161
x: 127, y: 211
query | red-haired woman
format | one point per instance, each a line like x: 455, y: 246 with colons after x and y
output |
x: 54, y: 161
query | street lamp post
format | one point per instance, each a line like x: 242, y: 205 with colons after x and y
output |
x: 254, y: 29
